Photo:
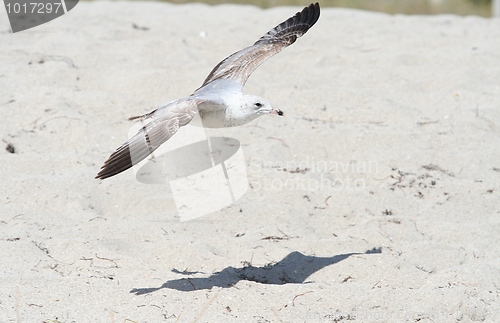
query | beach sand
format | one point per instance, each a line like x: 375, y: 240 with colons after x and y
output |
x: 375, y: 199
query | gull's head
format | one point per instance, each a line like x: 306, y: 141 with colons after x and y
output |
x: 259, y: 106
x: 248, y: 108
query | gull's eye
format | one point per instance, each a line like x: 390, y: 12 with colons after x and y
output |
x: 258, y: 104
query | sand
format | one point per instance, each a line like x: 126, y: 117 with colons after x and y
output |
x: 375, y: 199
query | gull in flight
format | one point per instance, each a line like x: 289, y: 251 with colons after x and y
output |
x: 219, y: 101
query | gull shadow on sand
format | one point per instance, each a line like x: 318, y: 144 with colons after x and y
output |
x: 293, y: 269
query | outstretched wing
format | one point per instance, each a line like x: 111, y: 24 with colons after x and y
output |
x: 241, y: 64
x: 149, y: 137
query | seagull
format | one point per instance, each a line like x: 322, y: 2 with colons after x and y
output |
x: 219, y: 101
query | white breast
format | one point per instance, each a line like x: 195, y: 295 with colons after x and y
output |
x: 226, y: 105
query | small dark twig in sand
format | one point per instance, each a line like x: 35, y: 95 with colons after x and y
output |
x: 347, y: 279
x: 296, y: 170
x: 135, y: 26
x: 293, y: 301
x: 273, y: 238
x: 281, y: 140
x: 326, y: 203
x: 432, y: 167
x: 110, y: 260
x: 65, y: 59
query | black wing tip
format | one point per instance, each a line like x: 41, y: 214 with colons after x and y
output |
x: 107, y: 172
x: 118, y: 162
x: 294, y: 27
x: 309, y: 15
